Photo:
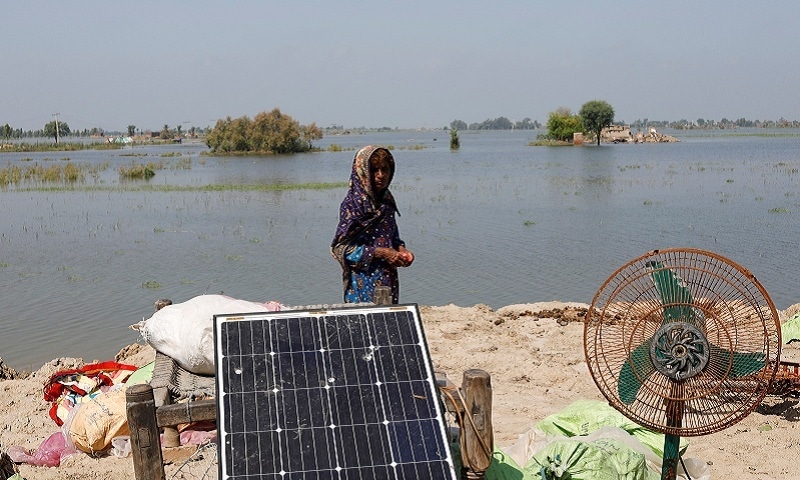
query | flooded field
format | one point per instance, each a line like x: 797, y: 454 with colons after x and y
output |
x: 496, y: 222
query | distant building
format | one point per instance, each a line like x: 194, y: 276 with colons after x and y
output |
x: 616, y: 134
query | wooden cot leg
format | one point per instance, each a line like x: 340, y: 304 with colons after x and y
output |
x: 145, y: 445
x: 171, y: 436
x: 477, y: 432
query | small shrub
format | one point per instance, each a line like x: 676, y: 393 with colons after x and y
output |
x: 455, y: 143
x: 138, y: 170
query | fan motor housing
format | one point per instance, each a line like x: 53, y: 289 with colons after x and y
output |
x: 679, y: 350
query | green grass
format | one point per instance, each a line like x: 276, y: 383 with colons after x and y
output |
x: 53, y: 173
x: 61, y: 147
x: 68, y: 175
x: 185, y: 188
x: 550, y: 143
x: 182, y: 164
x: 417, y: 146
x: 140, y: 170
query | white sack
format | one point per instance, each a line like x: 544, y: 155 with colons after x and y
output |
x: 185, y: 331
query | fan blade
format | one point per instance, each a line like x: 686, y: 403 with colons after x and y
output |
x: 675, y: 296
x: 636, y: 368
x: 742, y: 364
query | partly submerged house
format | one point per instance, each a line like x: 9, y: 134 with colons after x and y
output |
x: 616, y: 134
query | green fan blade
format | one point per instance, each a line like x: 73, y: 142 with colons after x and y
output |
x: 675, y: 296
x: 742, y: 364
x: 636, y: 368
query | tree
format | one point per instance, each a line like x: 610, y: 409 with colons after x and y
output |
x: 562, y: 124
x: 131, y: 130
x: 165, y: 134
x: 527, y: 124
x: 309, y: 133
x: 596, y: 115
x: 269, y: 132
x: 50, y: 130
x: 458, y: 125
x: 7, y: 131
x: 455, y: 143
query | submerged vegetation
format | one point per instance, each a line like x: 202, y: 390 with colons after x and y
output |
x: 69, y: 176
x: 59, y: 147
x: 68, y: 172
x: 455, y: 143
x: 186, y: 188
x: 138, y: 170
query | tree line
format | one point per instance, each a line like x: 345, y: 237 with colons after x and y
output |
x: 721, y: 124
x: 499, y: 123
x: 503, y: 123
x: 278, y: 133
x: 7, y: 132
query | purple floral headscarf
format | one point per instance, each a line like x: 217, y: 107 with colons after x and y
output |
x: 363, y: 206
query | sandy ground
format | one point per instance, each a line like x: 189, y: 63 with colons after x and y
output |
x: 537, y: 366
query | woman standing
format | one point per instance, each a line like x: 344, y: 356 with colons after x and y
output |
x: 367, y: 242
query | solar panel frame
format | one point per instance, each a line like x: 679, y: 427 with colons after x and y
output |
x: 345, y: 393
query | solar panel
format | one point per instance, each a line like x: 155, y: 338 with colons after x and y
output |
x: 328, y: 394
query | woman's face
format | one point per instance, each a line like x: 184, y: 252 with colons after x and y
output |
x: 380, y: 173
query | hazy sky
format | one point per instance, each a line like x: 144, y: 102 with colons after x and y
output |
x: 403, y: 64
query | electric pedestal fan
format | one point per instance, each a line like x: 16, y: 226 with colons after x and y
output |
x: 684, y: 342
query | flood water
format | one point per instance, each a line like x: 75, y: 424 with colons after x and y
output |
x: 496, y: 222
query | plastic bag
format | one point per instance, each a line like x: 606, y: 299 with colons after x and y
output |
x: 50, y: 453
x: 566, y: 450
x: 600, y: 459
x: 185, y: 331
x: 121, y: 446
x: 790, y: 330
x: 585, y: 416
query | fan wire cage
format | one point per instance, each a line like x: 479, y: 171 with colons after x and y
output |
x: 682, y: 341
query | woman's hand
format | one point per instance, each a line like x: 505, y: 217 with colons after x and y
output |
x: 407, y: 255
x: 395, y: 258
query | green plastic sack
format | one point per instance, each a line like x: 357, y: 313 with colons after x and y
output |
x: 600, y: 459
x: 503, y: 467
x: 790, y: 330
x: 585, y: 416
